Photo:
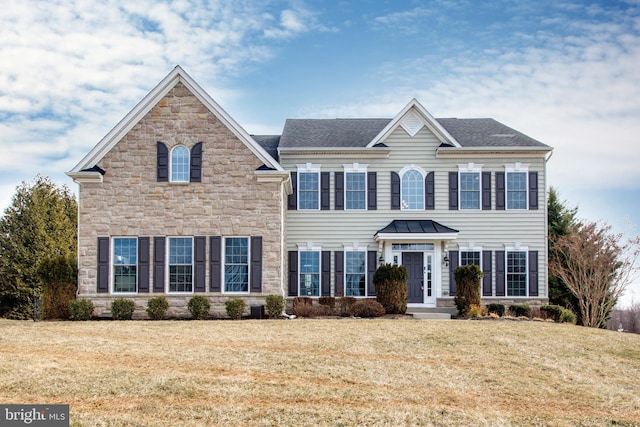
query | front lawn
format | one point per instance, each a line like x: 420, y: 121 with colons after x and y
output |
x: 323, y: 372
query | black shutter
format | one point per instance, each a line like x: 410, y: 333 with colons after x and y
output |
x: 453, y: 264
x: 453, y: 191
x: 158, y: 264
x: 215, y: 264
x: 486, y: 191
x: 339, y: 191
x: 500, y: 274
x: 533, y: 191
x: 143, y: 264
x: 292, y: 199
x: 429, y: 192
x: 487, y: 273
x: 162, y: 160
x: 533, y: 273
x: 395, y: 191
x: 200, y: 264
x: 103, y: 265
x: 293, y: 273
x: 372, y: 191
x: 256, y: 264
x: 324, y: 191
x: 372, y: 266
x: 500, y: 189
x: 196, y: 163
x: 326, y: 274
x: 339, y: 273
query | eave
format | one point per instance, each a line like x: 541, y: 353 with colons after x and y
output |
x: 275, y: 176
x: 450, y: 152
x: 415, y: 236
x: 376, y: 152
x: 85, y: 177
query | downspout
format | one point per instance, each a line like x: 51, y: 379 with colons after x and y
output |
x: 282, y: 238
x: 546, y: 222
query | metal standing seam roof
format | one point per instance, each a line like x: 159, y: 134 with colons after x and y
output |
x: 416, y: 226
x: 357, y: 133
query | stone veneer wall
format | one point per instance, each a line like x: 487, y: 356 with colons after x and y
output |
x: 228, y: 202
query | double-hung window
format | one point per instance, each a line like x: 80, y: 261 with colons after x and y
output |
x: 180, y: 264
x: 180, y: 158
x: 355, y: 274
x: 470, y: 177
x: 516, y: 190
x: 412, y: 189
x: 309, y: 273
x: 470, y: 257
x: 236, y: 264
x: 125, y: 264
x: 308, y: 187
x: 516, y: 273
x: 356, y: 191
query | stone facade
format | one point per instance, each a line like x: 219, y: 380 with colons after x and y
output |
x: 229, y: 200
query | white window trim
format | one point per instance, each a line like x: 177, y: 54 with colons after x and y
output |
x: 517, y: 247
x: 470, y: 168
x: 224, y: 253
x: 112, y: 266
x: 308, y: 168
x: 424, y: 175
x: 171, y: 180
x: 518, y: 168
x: 355, y: 168
x: 356, y: 247
x: 471, y: 247
x: 309, y: 247
x: 168, y: 265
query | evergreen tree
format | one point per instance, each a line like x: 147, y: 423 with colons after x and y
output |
x: 40, y: 223
x: 560, y: 220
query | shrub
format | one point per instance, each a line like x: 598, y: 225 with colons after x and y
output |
x: 199, y: 306
x: 327, y: 302
x: 496, y: 309
x: 59, y: 278
x: 275, y: 306
x: 520, y: 310
x: 344, y: 303
x: 552, y: 311
x: 567, y: 316
x: 303, y: 307
x: 390, y: 282
x: 81, y: 309
x: 122, y: 309
x: 157, y: 308
x: 367, y: 308
x: 235, y: 308
x: 476, y: 311
x: 467, y: 279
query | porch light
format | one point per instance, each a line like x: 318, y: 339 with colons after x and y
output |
x: 445, y: 260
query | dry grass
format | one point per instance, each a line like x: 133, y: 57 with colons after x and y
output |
x: 323, y: 372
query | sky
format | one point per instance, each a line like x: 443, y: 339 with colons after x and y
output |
x: 566, y: 73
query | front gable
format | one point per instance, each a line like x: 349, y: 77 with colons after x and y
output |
x: 413, y: 118
x: 153, y: 103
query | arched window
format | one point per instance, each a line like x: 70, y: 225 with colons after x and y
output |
x: 412, y: 190
x: 180, y: 164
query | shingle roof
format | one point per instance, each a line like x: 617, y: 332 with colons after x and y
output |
x: 486, y: 133
x: 416, y: 226
x: 330, y: 133
x: 357, y: 133
x: 269, y: 143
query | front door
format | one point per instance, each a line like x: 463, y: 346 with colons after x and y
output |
x: 414, y: 263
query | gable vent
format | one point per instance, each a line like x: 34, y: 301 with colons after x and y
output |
x: 412, y: 123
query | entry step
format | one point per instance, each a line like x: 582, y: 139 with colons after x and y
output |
x: 430, y: 316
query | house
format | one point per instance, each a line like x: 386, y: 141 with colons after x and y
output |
x: 178, y: 199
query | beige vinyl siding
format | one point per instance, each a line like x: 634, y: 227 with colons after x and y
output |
x: 491, y: 230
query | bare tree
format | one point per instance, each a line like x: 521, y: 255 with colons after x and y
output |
x: 597, y: 266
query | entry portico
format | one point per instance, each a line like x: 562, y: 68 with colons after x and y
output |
x: 419, y: 246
